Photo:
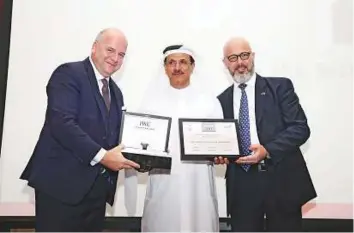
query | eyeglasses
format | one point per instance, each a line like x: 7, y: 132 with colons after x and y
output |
x: 243, y: 56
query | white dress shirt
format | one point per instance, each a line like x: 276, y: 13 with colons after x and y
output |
x: 99, y: 77
x: 250, y: 91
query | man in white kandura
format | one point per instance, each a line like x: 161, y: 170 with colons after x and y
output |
x: 183, y: 198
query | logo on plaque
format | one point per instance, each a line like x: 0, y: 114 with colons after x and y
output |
x: 208, y: 127
x: 145, y: 123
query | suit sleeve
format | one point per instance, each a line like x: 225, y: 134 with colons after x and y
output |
x: 63, y: 91
x: 297, y: 130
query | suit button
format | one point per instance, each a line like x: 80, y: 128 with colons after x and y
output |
x: 104, y: 138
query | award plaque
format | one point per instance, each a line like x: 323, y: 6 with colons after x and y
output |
x: 145, y: 138
x: 205, y: 139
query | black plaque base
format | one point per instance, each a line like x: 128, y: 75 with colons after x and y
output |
x: 148, y: 162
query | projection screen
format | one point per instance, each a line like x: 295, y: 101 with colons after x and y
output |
x: 309, y: 42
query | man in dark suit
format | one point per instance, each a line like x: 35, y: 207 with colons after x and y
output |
x: 270, y: 178
x: 73, y: 168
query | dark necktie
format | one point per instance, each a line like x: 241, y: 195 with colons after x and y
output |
x: 244, y: 125
x: 107, y: 101
x: 105, y: 93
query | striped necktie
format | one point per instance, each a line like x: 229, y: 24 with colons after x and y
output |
x: 105, y: 93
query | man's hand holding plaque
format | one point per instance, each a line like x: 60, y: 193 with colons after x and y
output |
x: 114, y: 160
x: 259, y: 153
x: 145, y: 138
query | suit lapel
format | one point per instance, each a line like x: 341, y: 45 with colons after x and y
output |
x: 229, y: 103
x: 260, y: 99
x: 115, y: 94
x: 95, y: 89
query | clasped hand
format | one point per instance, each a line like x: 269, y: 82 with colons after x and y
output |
x: 258, y: 154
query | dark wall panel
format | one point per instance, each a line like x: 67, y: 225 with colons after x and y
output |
x: 5, y: 30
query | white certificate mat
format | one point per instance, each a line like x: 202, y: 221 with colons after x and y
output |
x: 208, y: 138
x: 139, y: 130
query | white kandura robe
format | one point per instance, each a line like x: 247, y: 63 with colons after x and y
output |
x: 185, y: 198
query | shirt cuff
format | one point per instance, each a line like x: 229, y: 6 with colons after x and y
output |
x: 98, y: 157
x: 268, y: 156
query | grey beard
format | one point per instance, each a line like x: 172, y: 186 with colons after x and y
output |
x: 242, y: 78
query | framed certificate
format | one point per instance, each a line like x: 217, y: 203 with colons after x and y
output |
x: 145, y: 138
x: 204, y: 139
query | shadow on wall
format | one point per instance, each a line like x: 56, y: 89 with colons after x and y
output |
x: 29, y: 191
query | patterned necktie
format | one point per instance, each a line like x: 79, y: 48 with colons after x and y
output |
x: 244, y: 125
x: 105, y: 93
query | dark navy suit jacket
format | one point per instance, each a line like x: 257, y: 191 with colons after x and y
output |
x: 75, y: 129
x: 281, y: 128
